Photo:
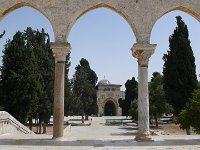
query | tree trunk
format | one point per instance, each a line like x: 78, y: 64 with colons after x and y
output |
x: 82, y: 118
x: 86, y: 117
x: 156, y: 119
x: 40, y: 127
x: 37, y: 124
x: 44, y: 128
x: 188, y: 131
x: 30, y: 123
x: 174, y: 116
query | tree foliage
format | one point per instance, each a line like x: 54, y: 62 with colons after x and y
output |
x: 40, y: 43
x: 27, y: 76
x: 73, y: 104
x: 1, y: 108
x: 179, y: 68
x: 190, y: 115
x: 84, y: 90
x: 134, y: 110
x: 131, y: 94
x: 20, y: 79
x: 157, y: 101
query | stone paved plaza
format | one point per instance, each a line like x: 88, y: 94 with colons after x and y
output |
x: 98, y: 136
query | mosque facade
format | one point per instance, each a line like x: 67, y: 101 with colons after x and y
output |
x: 107, y: 98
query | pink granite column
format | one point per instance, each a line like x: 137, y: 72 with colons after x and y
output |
x: 143, y: 52
x: 60, y: 52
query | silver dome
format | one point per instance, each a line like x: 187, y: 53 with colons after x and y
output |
x: 104, y: 82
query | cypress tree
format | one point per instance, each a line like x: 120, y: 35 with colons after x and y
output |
x: 1, y: 108
x: 28, y: 76
x: 45, y: 62
x: 131, y: 93
x: 20, y: 80
x: 68, y: 93
x: 179, y: 68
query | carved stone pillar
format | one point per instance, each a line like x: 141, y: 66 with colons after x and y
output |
x: 60, y: 52
x: 143, y: 52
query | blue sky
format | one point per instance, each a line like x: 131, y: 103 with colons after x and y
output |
x: 104, y: 38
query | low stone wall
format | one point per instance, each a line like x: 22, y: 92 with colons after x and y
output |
x: 8, y: 124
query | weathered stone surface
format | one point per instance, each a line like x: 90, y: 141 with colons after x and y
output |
x: 60, y: 50
x: 8, y: 124
x: 58, y: 106
x: 140, y: 14
x: 107, y: 92
x: 143, y: 52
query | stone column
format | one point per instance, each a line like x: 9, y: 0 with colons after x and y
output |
x: 143, y: 52
x: 60, y: 52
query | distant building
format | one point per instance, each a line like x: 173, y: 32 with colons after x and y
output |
x: 107, y: 98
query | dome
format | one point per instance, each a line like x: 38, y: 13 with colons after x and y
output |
x: 104, y: 82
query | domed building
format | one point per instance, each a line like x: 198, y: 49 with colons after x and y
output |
x: 107, y: 98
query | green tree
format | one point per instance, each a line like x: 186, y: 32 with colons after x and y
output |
x: 1, y: 94
x: 190, y: 115
x: 84, y: 87
x: 1, y: 108
x: 29, y: 55
x: 20, y: 79
x: 179, y: 68
x: 131, y: 93
x: 134, y: 109
x: 72, y: 102
x: 157, y: 101
x: 40, y: 42
x: 68, y: 91
x: 122, y: 105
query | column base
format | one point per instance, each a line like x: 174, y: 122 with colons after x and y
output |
x: 58, y: 138
x: 143, y: 137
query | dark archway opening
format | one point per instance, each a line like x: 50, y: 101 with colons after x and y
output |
x: 109, y: 109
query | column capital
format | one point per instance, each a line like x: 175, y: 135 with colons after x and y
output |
x: 143, y: 52
x: 60, y: 51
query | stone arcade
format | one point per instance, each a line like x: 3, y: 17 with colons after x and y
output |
x: 141, y: 16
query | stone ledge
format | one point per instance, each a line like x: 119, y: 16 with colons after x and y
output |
x: 8, y: 124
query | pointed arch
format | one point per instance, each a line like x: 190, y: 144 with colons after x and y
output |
x: 110, y: 108
x: 110, y: 99
x: 16, y: 6
x: 104, y: 5
x: 186, y: 10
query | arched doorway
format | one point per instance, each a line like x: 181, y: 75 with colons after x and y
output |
x: 109, y: 109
